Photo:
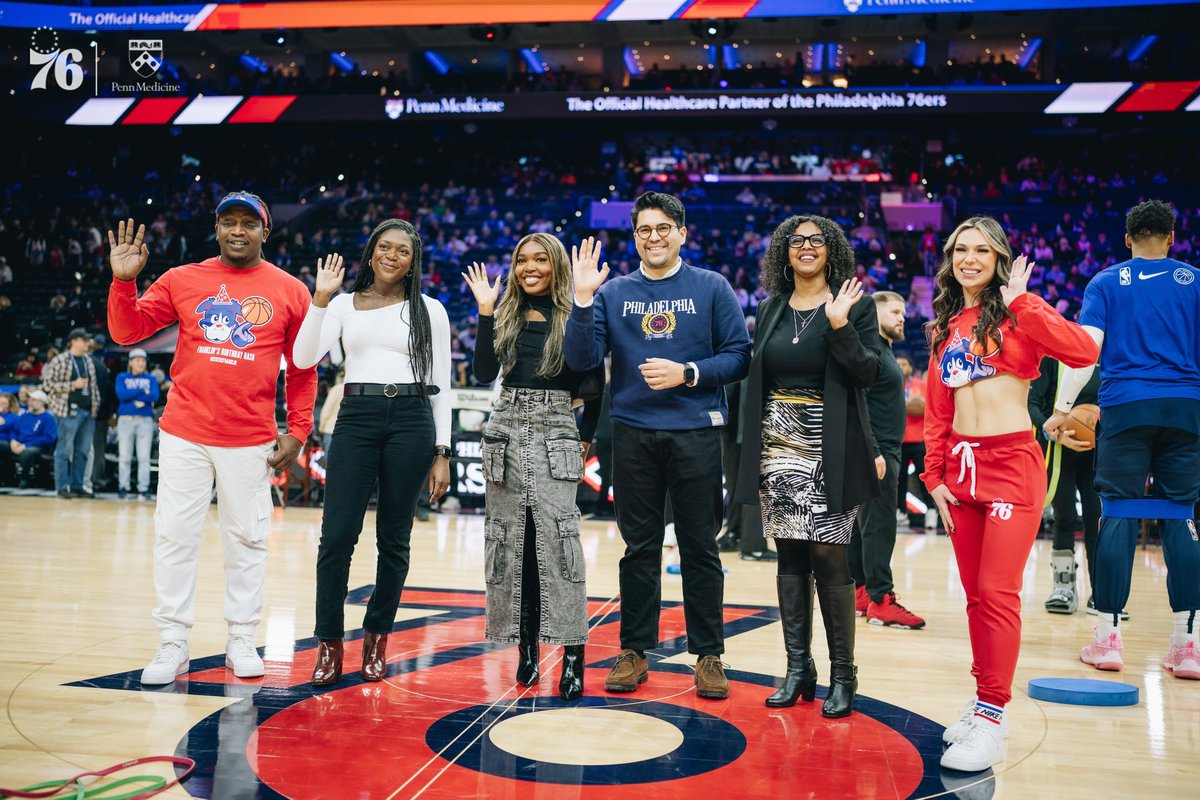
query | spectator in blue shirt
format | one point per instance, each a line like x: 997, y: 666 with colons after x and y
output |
x: 36, y: 433
x: 137, y: 391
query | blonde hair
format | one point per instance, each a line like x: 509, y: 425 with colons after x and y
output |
x: 513, y: 306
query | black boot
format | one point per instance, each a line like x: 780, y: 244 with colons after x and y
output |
x: 837, y: 609
x: 570, y: 685
x: 528, y: 670
x: 796, y: 614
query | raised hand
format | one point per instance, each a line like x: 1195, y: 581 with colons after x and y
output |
x: 587, y: 270
x: 837, y: 309
x: 127, y: 253
x: 330, y: 274
x: 1018, y: 280
x: 485, y: 293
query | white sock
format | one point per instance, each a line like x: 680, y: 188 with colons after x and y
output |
x: 988, y: 712
x: 1105, y: 627
x: 1186, y: 628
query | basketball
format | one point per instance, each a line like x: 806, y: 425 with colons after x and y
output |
x: 256, y: 310
x: 1081, y: 422
x: 977, y: 348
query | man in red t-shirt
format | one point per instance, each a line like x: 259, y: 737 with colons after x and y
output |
x: 238, y: 316
x: 912, y: 450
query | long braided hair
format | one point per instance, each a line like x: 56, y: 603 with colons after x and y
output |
x: 420, y: 337
x: 513, y: 306
x: 776, y: 271
x: 949, y: 301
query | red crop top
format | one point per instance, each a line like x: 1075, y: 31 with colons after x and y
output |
x: 1018, y: 350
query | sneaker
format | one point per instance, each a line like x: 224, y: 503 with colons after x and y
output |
x: 710, y: 678
x: 760, y: 555
x: 148, y: 497
x: 889, y: 612
x: 242, y: 658
x: 1184, y: 660
x: 122, y: 494
x: 965, y: 715
x: 66, y: 494
x: 980, y: 746
x: 628, y: 673
x: 1091, y: 609
x: 169, y: 663
x: 1104, y: 654
x: 861, y: 601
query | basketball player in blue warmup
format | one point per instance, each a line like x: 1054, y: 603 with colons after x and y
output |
x: 1145, y: 315
x: 677, y: 336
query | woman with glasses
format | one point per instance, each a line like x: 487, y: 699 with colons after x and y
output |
x: 815, y: 352
x: 533, y: 460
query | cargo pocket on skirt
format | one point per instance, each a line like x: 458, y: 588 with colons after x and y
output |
x: 571, y: 558
x: 494, y: 452
x: 566, y: 458
x: 495, y: 555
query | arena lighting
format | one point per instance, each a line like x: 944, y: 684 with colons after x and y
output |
x: 252, y: 63
x: 1142, y: 47
x: 729, y: 56
x: 631, y: 62
x: 532, y: 61
x: 918, y: 54
x: 438, y: 62
x: 341, y: 62
x: 1030, y: 51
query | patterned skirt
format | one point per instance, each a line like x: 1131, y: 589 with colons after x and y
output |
x: 791, y: 484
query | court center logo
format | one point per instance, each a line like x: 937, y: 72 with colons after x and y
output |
x: 145, y: 56
x: 57, y: 66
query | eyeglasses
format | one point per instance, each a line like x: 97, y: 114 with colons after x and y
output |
x: 797, y: 242
x: 662, y: 229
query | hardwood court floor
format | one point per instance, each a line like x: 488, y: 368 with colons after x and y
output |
x: 75, y: 600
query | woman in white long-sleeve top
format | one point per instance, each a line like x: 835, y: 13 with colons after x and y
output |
x: 394, y: 422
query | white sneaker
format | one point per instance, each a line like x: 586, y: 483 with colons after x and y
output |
x: 978, y: 748
x: 965, y: 715
x: 169, y: 663
x: 1183, y: 660
x: 242, y: 658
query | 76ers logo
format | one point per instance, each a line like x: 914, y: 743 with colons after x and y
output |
x: 225, y: 319
x: 659, y: 325
x: 1002, y: 509
x: 963, y: 360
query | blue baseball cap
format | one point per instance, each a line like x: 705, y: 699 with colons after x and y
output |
x: 249, y: 201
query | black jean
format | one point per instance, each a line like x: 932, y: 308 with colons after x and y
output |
x: 912, y: 453
x: 646, y: 466
x: 873, y: 538
x: 1077, y: 472
x: 389, y: 440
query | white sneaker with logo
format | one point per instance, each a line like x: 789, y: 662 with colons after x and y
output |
x: 242, y: 658
x: 980, y: 746
x: 1183, y: 660
x: 169, y: 663
x: 965, y: 715
x: 1105, y: 654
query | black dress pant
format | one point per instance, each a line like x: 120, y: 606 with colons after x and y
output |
x: 1077, y: 473
x: 913, y: 453
x: 873, y: 539
x: 646, y: 466
x: 384, y: 439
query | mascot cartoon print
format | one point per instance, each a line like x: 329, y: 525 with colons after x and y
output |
x: 964, y: 360
x: 225, y: 319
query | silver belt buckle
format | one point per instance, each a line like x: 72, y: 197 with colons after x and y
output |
x: 391, y: 387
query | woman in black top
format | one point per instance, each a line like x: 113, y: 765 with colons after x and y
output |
x: 533, y: 458
x: 814, y: 355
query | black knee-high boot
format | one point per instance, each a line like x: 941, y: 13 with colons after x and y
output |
x: 837, y: 609
x: 570, y: 685
x: 796, y: 614
x: 528, y: 671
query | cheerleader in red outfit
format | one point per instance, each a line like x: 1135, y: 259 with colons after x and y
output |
x: 982, y: 465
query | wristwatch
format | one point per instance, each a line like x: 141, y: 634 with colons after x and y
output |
x: 442, y: 450
x: 689, y: 375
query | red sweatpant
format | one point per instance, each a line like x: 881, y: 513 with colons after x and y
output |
x: 993, y: 533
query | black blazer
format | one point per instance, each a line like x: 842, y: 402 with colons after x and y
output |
x: 846, y: 450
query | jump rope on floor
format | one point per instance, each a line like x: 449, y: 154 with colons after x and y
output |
x: 149, y: 785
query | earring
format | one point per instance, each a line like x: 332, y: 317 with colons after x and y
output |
x: 788, y: 275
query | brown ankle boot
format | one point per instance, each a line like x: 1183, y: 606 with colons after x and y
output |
x: 374, y: 654
x: 328, y: 668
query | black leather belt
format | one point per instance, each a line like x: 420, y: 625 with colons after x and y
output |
x: 389, y: 389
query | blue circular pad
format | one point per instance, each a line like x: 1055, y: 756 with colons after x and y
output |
x: 1081, y: 692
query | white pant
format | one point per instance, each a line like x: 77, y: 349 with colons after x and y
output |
x: 133, y: 431
x: 186, y: 471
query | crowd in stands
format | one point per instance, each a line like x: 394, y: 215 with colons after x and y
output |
x: 1065, y: 210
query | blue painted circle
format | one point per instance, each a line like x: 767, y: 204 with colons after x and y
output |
x: 1083, y: 692
x: 709, y: 743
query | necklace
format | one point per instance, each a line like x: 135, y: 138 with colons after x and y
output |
x: 800, y: 328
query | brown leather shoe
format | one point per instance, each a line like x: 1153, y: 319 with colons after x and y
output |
x: 629, y: 671
x: 374, y: 665
x: 710, y: 678
x: 328, y: 668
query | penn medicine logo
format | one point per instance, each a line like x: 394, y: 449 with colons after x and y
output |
x: 145, y: 56
x: 852, y: 5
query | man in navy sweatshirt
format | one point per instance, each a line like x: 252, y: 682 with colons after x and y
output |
x: 677, y: 336
x: 35, y: 433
